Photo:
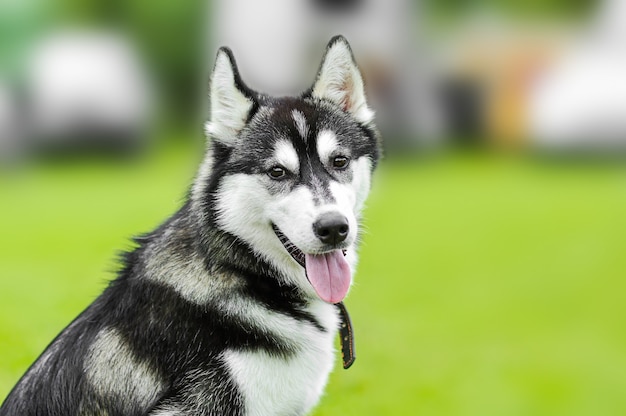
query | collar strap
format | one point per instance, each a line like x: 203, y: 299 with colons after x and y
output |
x: 346, y: 334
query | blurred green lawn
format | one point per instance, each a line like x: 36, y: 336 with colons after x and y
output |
x: 488, y: 285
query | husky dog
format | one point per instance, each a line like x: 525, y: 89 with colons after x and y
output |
x: 228, y: 308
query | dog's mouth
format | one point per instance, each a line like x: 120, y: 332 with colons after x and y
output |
x: 291, y: 248
x: 329, y: 273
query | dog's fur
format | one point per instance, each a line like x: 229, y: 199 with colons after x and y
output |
x: 212, y: 313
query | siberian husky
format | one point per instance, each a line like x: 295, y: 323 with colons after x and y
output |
x: 230, y: 306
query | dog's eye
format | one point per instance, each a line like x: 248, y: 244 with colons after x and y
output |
x: 341, y: 162
x: 277, y: 172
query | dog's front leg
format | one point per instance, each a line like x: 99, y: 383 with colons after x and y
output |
x: 201, y: 393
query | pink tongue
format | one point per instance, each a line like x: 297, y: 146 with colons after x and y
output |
x: 329, y: 275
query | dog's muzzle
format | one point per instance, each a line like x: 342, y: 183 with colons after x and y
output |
x: 329, y: 273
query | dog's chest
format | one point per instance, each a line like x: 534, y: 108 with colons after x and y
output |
x: 274, y: 385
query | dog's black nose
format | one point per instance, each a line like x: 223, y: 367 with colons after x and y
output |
x: 331, y: 228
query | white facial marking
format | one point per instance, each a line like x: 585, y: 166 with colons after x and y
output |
x: 326, y: 144
x: 287, y: 156
x: 246, y: 209
x: 112, y: 369
x: 301, y: 125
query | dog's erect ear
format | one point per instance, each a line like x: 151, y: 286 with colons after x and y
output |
x: 339, y: 80
x: 231, y: 100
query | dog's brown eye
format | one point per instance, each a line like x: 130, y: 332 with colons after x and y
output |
x: 277, y: 172
x: 340, y: 162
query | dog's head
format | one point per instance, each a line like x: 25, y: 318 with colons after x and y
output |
x: 289, y: 176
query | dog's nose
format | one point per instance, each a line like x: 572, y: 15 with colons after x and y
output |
x: 331, y: 228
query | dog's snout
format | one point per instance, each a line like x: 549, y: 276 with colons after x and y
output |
x: 331, y: 228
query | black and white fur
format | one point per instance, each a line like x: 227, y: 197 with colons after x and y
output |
x: 210, y: 314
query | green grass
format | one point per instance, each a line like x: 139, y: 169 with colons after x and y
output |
x: 487, y: 285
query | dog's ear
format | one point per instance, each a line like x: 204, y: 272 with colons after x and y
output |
x: 231, y: 100
x: 339, y: 80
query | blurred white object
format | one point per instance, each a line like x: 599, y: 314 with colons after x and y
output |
x: 278, y: 44
x: 268, y: 38
x: 87, y: 84
x: 580, y: 103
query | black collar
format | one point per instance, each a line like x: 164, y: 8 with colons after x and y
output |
x: 346, y: 334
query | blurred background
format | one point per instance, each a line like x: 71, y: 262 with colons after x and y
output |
x: 491, y: 278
